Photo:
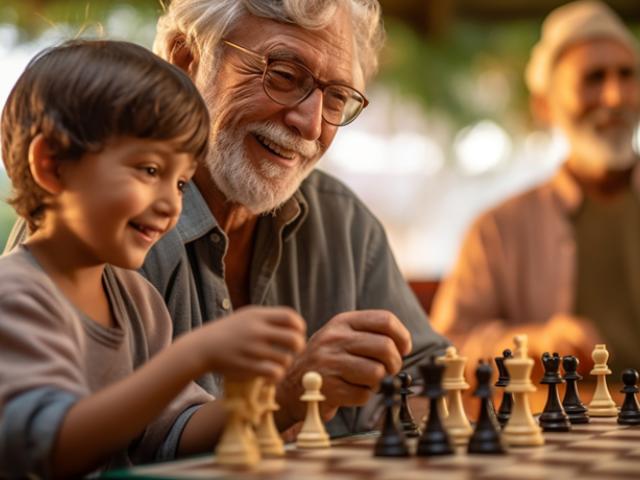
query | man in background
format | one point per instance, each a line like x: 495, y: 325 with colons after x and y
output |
x: 561, y: 262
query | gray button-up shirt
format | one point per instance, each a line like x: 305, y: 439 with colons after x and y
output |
x: 323, y: 253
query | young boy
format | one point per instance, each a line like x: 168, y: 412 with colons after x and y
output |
x: 99, y: 139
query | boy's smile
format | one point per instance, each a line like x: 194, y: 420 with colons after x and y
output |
x: 115, y: 204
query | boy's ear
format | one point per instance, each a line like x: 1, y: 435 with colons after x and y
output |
x: 43, y: 167
x: 184, y: 57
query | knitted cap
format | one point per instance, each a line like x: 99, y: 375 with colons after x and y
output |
x: 567, y: 25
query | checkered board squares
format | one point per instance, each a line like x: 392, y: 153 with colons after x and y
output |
x: 599, y: 450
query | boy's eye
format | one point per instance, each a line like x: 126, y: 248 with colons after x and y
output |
x: 182, y: 185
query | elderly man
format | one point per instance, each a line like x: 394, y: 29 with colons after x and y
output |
x: 260, y: 225
x: 562, y: 262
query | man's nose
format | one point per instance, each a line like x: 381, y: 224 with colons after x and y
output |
x: 306, y: 117
x: 613, y: 91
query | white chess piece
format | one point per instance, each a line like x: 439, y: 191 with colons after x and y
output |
x: 313, y: 433
x: 602, y: 405
x: 521, y: 428
x: 269, y: 439
x: 456, y: 423
x: 238, y: 445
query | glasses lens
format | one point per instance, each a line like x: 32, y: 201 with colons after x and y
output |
x: 287, y: 83
x: 341, y: 104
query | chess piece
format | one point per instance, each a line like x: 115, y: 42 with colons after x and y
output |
x: 391, y: 442
x: 602, y: 405
x: 238, y: 445
x: 408, y: 424
x: 313, y: 433
x: 486, y: 436
x: 630, y: 410
x: 503, y: 380
x: 434, y: 439
x: 571, y: 402
x: 521, y: 428
x: 456, y: 423
x: 553, y: 417
x: 269, y: 439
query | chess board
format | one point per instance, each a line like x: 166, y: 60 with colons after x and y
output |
x: 602, y: 449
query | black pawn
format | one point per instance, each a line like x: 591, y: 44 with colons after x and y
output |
x: 486, y: 436
x: 571, y: 402
x: 630, y: 410
x: 391, y: 442
x: 434, y: 439
x: 553, y: 417
x: 409, y: 426
x: 504, y: 412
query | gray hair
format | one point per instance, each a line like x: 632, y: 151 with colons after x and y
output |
x: 203, y: 23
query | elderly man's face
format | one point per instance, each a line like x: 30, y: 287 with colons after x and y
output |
x: 594, y: 98
x: 261, y: 150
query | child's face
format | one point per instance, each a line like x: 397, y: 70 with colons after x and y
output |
x: 120, y: 201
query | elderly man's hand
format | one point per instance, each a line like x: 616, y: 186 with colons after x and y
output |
x: 352, y: 352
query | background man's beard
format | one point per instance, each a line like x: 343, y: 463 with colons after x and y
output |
x: 262, y: 189
x: 596, y: 152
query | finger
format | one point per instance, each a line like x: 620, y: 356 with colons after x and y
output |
x: 261, y: 352
x: 363, y: 372
x: 384, y: 323
x: 286, y: 317
x: 376, y: 347
x: 284, y: 339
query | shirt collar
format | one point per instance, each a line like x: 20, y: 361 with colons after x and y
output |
x: 569, y: 194
x: 197, y: 220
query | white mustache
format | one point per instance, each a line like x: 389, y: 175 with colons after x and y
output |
x: 606, y: 115
x: 282, y: 136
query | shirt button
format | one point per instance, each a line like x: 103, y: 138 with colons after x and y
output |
x: 215, y: 238
x: 226, y: 304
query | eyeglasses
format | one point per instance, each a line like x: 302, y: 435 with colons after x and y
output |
x: 288, y: 83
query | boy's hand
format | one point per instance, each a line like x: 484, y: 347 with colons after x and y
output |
x: 253, y: 341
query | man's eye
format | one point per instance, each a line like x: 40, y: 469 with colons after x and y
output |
x: 150, y: 170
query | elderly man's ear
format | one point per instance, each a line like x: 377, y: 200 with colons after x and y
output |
x: 183, y: 56
x: 541, y: 110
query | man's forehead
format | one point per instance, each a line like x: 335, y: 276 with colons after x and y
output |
x: 594, y: 52
x: 328, y: 52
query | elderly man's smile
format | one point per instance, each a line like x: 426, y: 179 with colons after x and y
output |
x: 281, y: 154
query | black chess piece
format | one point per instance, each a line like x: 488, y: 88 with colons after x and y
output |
x: 553, y: 417
x: 630, y: 410
x: 409, y: 426
x: 486, y: 436
x: 391, y: 442
x: 434, y: 439
x: 504, y: 412
x: 571, y: 402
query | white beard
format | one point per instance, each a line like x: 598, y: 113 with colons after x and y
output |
x: 268, y: 186
x: 595, y: 152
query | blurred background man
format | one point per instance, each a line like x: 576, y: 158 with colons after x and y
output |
x: 561, y: 262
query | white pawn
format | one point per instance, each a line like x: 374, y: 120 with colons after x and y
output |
x: 602, y: 405
x: 269, y: 439
x: 521, y: 429
x: 313, y: 433
x: 456, y: 423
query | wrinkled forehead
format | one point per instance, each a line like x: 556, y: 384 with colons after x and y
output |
x: 594, y: 53
x: 329, y: 52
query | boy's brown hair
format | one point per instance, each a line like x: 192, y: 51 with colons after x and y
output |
x: 83, y: 93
